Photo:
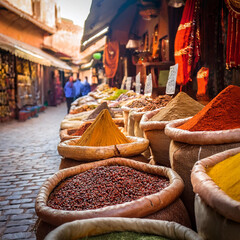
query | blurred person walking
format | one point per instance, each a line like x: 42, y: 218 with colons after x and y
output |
x: 86, y: 86
x: 78, y: 87
x: 70, y: 92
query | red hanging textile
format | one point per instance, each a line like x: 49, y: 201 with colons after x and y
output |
x: 233, y: 35
x: 110, y: 58
x: 187, y: 42
x: 202, y: 81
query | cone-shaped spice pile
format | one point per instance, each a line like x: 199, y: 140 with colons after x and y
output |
x: 102, y: 132
x: 222, y: 113
x: 182, y: 106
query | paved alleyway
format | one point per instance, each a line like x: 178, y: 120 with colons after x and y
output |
x: 28, y: 156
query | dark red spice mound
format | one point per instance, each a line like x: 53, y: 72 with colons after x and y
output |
x: 222, y: 113
x: 104, y: 186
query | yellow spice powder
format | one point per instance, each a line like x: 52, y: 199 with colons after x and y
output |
x: 226, y: 175
x: 102, y: 132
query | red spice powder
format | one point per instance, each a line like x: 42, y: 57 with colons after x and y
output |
x: 82, y: 129
x: 222, y: 113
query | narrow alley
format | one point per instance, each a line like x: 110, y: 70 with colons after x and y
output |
x: 28, y: 156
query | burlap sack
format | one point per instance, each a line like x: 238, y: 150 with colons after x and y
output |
x: 128, y: 122
x: 184, y: 155
x: 212, y: 225
x: 74, y: 122
x: 210, y: 192
x: 158, y: 141
x: 136, y: 117
x: 137, y: 208
x: 136, y: 146
x: 175, y: 212
x: 67, y: 162
x: 99, y: 226
x: 78, y: 116
x: 201, y: 137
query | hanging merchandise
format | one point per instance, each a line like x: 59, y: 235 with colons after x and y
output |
x: 233, y: 35
x: 111, y: 57
x: 187, y: 42
x: 155, y: 44
x: 202, y: 81
x: 27, y: 83
x: 7, y: 86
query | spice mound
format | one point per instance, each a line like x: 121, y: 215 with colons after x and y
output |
x: 181, y: 106
x: 226, y: 175
x: 222, y: 113
x: 137, y: 103
x: 104, y: 186
x: 160, y: 101
x: 102, y: 132
x: 83, y: 108
x: 102, y: 106
x: 126, y: 236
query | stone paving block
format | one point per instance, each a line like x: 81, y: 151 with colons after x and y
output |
x: 21, y: 217
x: 28, y: 205
x: 14, y: 197
x: 18, y: 236
x: 25, y: 200
x: 5, y: 194
x: 13, y: 211
x: 13, y: 206
x: 3, y: 218
x: 29, y: 222
x: 18, y: 189
x: 17, y: 229
x: 4, y: 203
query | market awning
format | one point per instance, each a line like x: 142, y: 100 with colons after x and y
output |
x: 100, y: 16
x: 28, y: 52
x: 86, y: 55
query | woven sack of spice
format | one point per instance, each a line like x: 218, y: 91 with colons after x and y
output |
x: 215, y: 181
x: 141, y: 207
x: 74, y: 122
x: 78, y: 115
x: 136, y: 117
x: 128, y: 122
x: 138, y: 227
x: 68, y: 149
x: 67, y: 162
x: 158, y: 141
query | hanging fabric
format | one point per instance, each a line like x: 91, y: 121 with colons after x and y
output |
x: 110, y: 59
x: 187, y: 42
x: 202, y: 81
x: 233, y: 35
x: 155, y: 43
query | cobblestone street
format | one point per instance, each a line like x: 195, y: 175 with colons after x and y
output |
x: 28, y: 156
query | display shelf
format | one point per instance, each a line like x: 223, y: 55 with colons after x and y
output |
x: 162, y: 65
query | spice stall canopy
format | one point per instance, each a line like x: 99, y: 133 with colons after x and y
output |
x: 101, y: 15
x: 33, y: 54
